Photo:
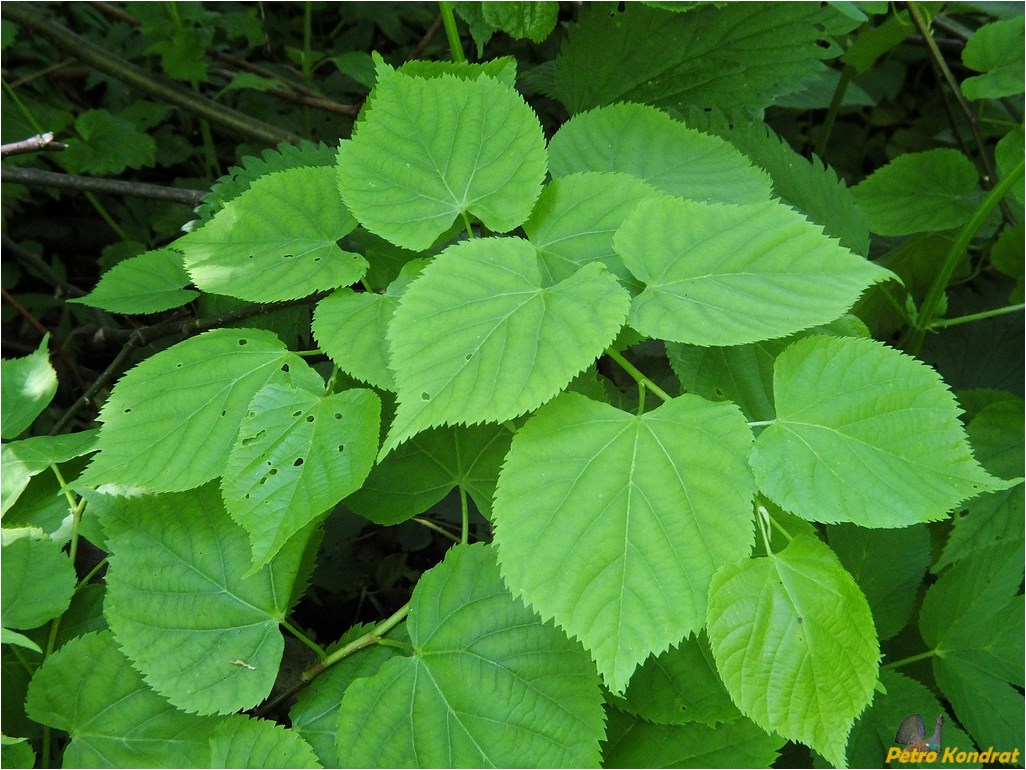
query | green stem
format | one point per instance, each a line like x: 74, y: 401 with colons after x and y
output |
x: 467, y: 224
x: 835, y: 107
x: 464, y: 517
x: 451, y: 32
x: 763, y: 517
x: 118, y: 230
x: 434, y: 527
x: 100, y: 58
x: 760, y: 423
x: 304, y: 639
x: 965, y: 319
x: 934, y: 297
x: 910, y: 659
x: 637, y: 374
x: 370, y: 638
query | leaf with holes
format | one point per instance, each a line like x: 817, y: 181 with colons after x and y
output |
x: 794, y: 643
x: 864, y: 434
x: 276, y: 241
x: 428, y: 151
x: 648, y: 144
x: 154, y: 443
x: 476, y: 650
x: 297, y: 454
x: 612, y: 523
x: 729, y: 275
x: 480, y: 336
x: 184, y: 607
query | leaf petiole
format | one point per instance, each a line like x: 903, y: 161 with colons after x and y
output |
x: 637, y: 374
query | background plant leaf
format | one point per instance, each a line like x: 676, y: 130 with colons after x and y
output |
x: 480, y: 336
x: 148, y: 283
x: 297, y: 455
x: 644, y: 515
x: 89, y: 689
x: 730, y: 275
x: 647, y: 143
x: 849, y: 410
x: 794, y: 643
x: 476, y: 651
x: 276, y: 240
x: 995, y: 50
x: 425, y: 152
x: 180, y: 603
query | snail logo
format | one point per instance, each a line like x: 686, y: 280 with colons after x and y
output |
x: 912, y: 732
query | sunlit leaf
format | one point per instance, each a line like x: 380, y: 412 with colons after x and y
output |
x: 794, y: 642
x: 38, y: 579
x: 239, y: 741
x: 148, y: 283
x: 24, y: 459
x: 612, y: 523
x: 28, y: 384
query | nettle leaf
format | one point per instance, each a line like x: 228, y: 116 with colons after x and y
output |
x: 919, y: 192
x: 679, y: 686
x: 741, y: 55
x: 729, y: 275
x: 27, y: 385
x: 89, y: 689
x: 351, y: 328
x: 297, y: 455
x: 184, y: 607
x: 995, y: 49
x: 864, y: 434
x: 532, y: 20
x: 422, y: 471
x: 38, y: 578
x: 503, y: 69
x: 647, y: 143
x: 972, y: 620
x: 574, y: 220
x: 170, y: 422
x: 636, y: 743
x: 427, y: 151
x: 22, y: 460
x: 276, y: 241
x: 794, y: 643
x: 888, y: 565
x: 148, y: 283
x: 612, y: 523
x: 242, y: 742
x: 900, y: 696
x: 476, y: 651
x: 480, y: 336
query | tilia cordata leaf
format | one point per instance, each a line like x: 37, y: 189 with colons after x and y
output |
x: 481, y: 336
x: 794, y: 642
x: 612, y: 523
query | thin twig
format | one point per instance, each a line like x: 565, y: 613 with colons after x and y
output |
x: 37, y: 143
x: 38, y: 178
x: 426, y: 40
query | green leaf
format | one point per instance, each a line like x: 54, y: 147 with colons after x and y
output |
x: 575, y: 218
x: 476, y: 651
x: 89, y: 689
x: 480, y: 336
x: 276, y: 241
x: 422, y: 471
x: 864, y: 434
x: 297, y: 455
x: 38, y: 579
x: 917, y: 192
x: 171, y: 421
x: 888, y: 565
x: 242, y: 742
x: 729, y: 275
x: 741, y: 55
x: 107, y: 145
x: 204, y: 634
x: 17, y: 752
x: 27, y: 385
x: 532, y: 20
x: 794, y: 643
x: 612, y: 523
x: 148, y: 283
x: 427, y: 151
x: 503, y: 69
x: 1007, y: 154
x: 24, y: 459
x: 972, y: 620
x: 995, y: 49
x: 647, y: 143
x: 873, y: 735
x: 20, y: 640
x: 636, y: 743
x: 679, y: 686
